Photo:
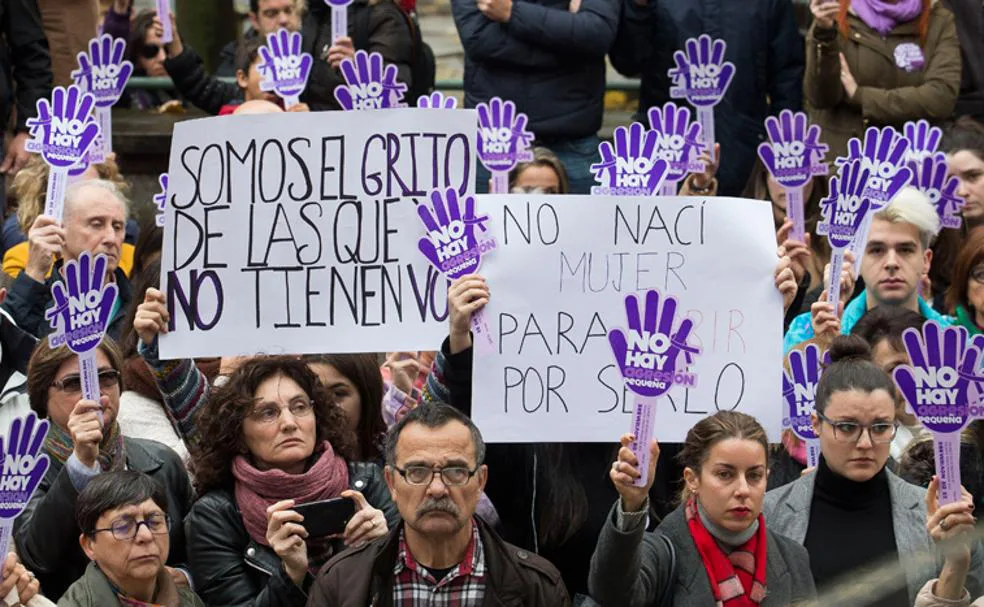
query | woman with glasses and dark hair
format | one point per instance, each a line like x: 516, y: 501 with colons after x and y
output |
x: 965, y: 297
x: 125, y: 524
x: 852, y: 514
x: 271, y: 438
x: 84, y: 440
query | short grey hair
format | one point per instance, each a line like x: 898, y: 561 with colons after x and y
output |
x: 913, y: 207
x: 434, y: 416
x: 75, y: 191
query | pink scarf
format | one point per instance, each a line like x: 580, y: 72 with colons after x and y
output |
x: 257, y: 490
x: 883, y: 15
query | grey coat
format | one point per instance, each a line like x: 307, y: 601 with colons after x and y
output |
x: 629, y: 569
x: 787, y: 511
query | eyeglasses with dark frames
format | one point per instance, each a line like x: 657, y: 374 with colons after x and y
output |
x: 452, y: 476
x: 126, y: 527
x: 72, y: 384
x: 850, y: 432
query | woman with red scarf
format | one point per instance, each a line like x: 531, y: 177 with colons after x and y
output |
x: 715, y: 548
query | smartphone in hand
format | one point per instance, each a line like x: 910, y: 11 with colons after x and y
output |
x: 326, y: 517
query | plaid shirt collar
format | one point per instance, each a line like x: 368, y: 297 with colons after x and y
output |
x: 473, y: 564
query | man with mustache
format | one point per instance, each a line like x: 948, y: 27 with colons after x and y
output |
x: 442, y: 554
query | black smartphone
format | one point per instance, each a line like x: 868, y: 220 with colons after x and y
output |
x: 327, y: 517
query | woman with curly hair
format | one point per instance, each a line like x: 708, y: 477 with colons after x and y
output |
x: 271, y: 438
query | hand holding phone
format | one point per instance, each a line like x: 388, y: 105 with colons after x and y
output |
x: 326, y: 517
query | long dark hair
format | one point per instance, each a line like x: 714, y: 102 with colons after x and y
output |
x: 220, y: 422
x: 363, y: 371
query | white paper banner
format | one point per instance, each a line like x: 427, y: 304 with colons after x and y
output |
x: 558, y: 281
x: 297, y: 232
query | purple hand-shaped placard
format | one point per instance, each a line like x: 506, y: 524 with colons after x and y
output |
x: 285, y: 68
x: 702, y: 77
x: 23, y: 464
x: 103, y: 71
x: 371, y: 84
x: 924, y: 140
x: 793, y: 155
x: 83, y: 303
x: 631, y: 168
x: 160, y: 200
x: 454, y: 248
x: 929, y: 176
x: 843, y: 214
x: 503, y: 140
x: 648, y: 355
x: 677, y: 142
x: 437, y: 101
x: 799, y: 390
x: 941, y: 386
x: 339, y: 18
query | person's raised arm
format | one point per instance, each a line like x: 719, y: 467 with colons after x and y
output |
x: 487, y: 40
x: 186, y: 69
x: 466, y: 295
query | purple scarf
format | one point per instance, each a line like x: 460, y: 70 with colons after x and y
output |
x: 883, y: 15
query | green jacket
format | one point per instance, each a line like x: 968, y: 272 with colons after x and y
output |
x: 94, y: 590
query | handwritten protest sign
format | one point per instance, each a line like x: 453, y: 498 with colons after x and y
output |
x: 799, y: 391
x: 941, y: 387
x: 284, y: 234
x: 103, y: 72
x: 284, y: 66
x: 632, y: 167
x: 62, y: 134
x: 558, y: 282
x: 503, y: 141
x: 648, y: 353
x: 702, y: 77
x: 677, y: 142
x: 23, y: 466
x: 793, y: 156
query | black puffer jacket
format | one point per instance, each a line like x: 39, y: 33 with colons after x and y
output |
x: 47, y: 534
x: 230, y: 568
x: 24, y: 61
x: 547, y: 60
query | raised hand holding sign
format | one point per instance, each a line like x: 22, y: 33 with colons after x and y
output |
x: 62, y: 134
x: 929, y: 176
x: 371, y: 84
x: 339, y: 18
x: 163, y: 13
x: 160, y: 200
x: 81, y: 314
x: 23, y: 466
x: 793, y: 155
x: 284, y: 67
x: 677, y: 142
x: 799, y: 391
x: 503, y: 141
x: 702, y: 77
x: 103, y: 72
x: 648, y: 354
x: 437, y: 101
x: 453, y: 247
x: 632, y: 168
x: 941, y: 387
x: 843, y: 214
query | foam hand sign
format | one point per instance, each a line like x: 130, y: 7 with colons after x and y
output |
x: 160, y: 200
x: 370, y: 83
x: 799, y: 390
x: 794, y: 153
x: 924, y: 140
x: 847, y: 205
x: 63, y: 129
x: 102, y: 71
x: 883, y: 153
x: 701, y: 75
x: 631, y: 168
x: 503, y: 140
x: 438, y: 101
x: 83, y: 303
x: 929, y: 175
x: 648, y: 354
x: 677, y: 141
x: 285, y: 69
x: 24, y: 463
x: 451, y: 243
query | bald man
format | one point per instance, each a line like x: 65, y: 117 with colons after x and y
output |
x: 258, y: 106
x: 94, y: 220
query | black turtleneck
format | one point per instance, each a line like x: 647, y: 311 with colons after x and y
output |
x: 850, y: 530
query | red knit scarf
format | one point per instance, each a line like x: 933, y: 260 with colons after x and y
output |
x: 737, y: 579
x: 256, y: 490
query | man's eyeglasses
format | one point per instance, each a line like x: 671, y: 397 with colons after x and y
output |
x: 850, y: 432
x: 270, y: 414
x: 72, y: 384
x: 454, y: 476
x: 126, y: 527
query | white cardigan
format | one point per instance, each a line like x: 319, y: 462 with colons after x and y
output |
x: 141, y: 417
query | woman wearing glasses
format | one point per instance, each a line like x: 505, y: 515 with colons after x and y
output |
x: 965, y: 298
x: 124, y: 521
x: 84, y: 440
x: 269, y: 439
x: 852, y: 514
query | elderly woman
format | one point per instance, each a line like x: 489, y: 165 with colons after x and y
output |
x: 124, y: 521
x: 271, y: 438
x: 83, y: 441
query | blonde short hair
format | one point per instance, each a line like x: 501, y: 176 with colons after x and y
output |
x: 913, y: 207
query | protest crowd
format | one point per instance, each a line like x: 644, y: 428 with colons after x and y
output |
x: 184, y: 424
